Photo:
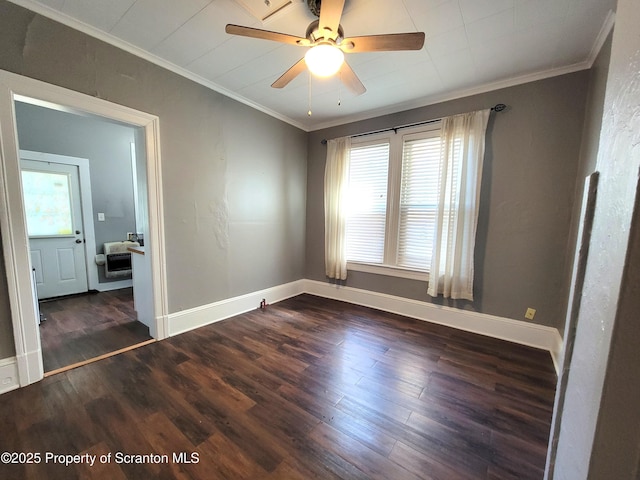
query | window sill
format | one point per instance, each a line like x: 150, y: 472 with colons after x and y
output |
x: 388, y: 270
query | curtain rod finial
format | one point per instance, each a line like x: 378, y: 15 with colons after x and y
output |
x: 499, y: 107
x: 323, y: 141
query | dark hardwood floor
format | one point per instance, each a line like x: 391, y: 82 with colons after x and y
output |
x: 308, y: 388
x: 82, y: 327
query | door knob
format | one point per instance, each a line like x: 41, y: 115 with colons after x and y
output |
x: 78, y: 240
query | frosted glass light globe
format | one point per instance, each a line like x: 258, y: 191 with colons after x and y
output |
x: 324, y: 60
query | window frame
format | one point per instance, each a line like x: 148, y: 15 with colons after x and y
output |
x: 396, y: 140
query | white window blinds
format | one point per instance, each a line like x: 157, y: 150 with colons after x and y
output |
x: 418, y: 201
x: 367, y: 215
x: 413, y: 202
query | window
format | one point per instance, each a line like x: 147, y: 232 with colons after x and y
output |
x: 423, y: 224
x: 418, y: 201
x: 47, y: 203
x: 392, y: 202
x: 367, y: 202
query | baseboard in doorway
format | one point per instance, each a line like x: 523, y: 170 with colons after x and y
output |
x: 109, y: 286
x: 8, y: 375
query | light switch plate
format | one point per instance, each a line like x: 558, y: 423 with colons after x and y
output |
x: 101, y: 217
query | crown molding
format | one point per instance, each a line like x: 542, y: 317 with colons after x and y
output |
x: 57, y: 16
x: 422, y: 102
x: 607, y: 27
x: 454, y: 95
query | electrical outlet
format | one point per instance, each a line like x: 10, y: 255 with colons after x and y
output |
x: 531, y: 312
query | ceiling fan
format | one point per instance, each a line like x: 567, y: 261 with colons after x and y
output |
x: 327, y: 44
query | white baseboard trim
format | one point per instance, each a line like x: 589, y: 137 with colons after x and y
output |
x: 192, y: 318
x: 109, y: 286
x: 30, y: 367
x: 524, y: 333
x: 516, y: 331
x: 9, y: 375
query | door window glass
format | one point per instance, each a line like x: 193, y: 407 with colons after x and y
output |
x: 47, y: 203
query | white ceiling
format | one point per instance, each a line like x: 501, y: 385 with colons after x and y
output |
x: 471, y: 46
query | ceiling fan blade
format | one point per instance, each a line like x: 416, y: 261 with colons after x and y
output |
x: 266, y: 35
x: 380, y: 43
x: 290, y: 74
x: 330, y: 13
x: 350, y: 79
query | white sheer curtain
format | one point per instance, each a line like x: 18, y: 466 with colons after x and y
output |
x: 336, y: 182
x: 463, y: 139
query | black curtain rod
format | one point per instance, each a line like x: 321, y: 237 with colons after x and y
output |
x: 496, y: 108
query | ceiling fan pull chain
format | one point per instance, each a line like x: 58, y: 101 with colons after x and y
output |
x: 309, y: 112
x: 340, y: 88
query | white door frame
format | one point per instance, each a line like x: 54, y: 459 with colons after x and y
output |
x: 15, y: 241
x: 84, y: 177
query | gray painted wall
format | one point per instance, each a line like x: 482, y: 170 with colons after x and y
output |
x: 107, y: 146
x: 526, y: 201
x: 599, y: 435
x: 233, y: 178
x: 590, y: 141
x: 593, y: 117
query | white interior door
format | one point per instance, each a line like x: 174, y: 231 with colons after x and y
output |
x: 53, y: 211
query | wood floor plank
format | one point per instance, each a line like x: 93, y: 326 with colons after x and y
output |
x: 516, y: 458
x: 99, y: 469
x: 358, y: 429
x: 306, y: 388
x: 371, y: 463
x: 186, y: 418
x: 258, y: 444
x: 427, y: 467
x: 470, y: 453
x: 80, y: 327
x: 286, y: 471
x: 163, y: 436
x: 121, y: 433
x: 230, y: 459
x: 215, y: 386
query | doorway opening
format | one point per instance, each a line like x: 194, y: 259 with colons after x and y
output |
x: 75, y: 168
x: 63, y: 265
x: 76, y: 323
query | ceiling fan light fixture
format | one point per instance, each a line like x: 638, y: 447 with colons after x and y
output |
x: 324, y: 60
